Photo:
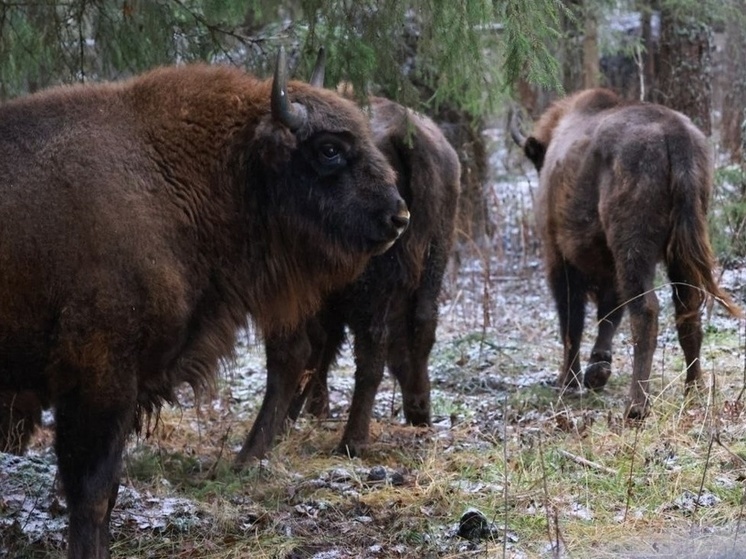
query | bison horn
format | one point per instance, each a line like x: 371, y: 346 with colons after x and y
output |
x: 515, y: 128
x: 317, y: 76
x: 292, y: 115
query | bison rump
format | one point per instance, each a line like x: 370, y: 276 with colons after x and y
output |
x: 623, y: 186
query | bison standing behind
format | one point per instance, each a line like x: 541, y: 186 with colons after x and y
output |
x: 392, y: 310
x: 622, y: 187
x: 141, y: 222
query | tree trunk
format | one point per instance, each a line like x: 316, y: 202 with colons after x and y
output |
x: 684, y: 71
x: 734, y: 100
x: 591, y: 70
x: 464, y: 132
x: 571, y: 48
x: 648, y: 53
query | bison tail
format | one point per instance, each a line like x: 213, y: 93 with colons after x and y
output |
x: 689, y: 250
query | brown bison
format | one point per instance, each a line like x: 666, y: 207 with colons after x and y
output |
x: 622, y: 187
x: 141, y: 222
x: 392, y: 310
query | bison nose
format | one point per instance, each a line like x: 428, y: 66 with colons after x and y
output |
x: 401, y: 219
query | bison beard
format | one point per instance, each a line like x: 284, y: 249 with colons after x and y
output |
x: 623, y: 186
x: 392, y: 310
x: 141, y: 222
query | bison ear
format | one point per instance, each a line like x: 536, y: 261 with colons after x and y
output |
x: 273, y: 144
x: 535, y: 151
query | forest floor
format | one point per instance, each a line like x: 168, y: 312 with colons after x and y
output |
x: 511, y: 467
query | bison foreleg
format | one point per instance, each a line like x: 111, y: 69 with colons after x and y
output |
x: 91, y: 432
x: 369, y: 361
x: 302, y: 394
x: 609, y: 316
x: 287, y: 355
x: 569, y: 290
x: 408, y: 358
x: 412, y: 370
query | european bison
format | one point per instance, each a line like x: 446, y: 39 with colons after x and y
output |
x: 392, y: 310
x: 622, y: 187
x: 141, y: 222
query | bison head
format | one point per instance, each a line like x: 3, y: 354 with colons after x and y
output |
x: 327, y: 196
x: 325, y: 171
x: 531, y: 146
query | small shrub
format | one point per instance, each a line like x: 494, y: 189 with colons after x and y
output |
x: 728, y: 215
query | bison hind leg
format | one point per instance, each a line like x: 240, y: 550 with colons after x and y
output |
x: 369, y: 360
x: 609, y: 316
x: 569, y: 289
x: 408, y: 354
x: 687, y: 299
x: 20, y: 414
x: 287, y: 356
x: 325, y: 350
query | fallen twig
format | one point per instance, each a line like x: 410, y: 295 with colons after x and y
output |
x: 737, y: 457
x: 585, y: 462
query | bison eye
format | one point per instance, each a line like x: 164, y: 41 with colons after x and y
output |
x: 331, y: 156
x: 330, y: 151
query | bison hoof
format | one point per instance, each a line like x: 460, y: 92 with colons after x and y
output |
x: 636, y: 412
x: 568, y: 381
x: 597, y: 375
x: 419, y: 419
x: 691, y: 386
x: 349, y: 449
x: 319, y: 410
x: 418, y: 414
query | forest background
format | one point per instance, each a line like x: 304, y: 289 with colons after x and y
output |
x: 553, y: 478
x: 459, y: 62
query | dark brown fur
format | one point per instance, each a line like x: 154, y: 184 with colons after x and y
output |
x: 622, y: 187
x: 392, y: 310
x: 141, y: 223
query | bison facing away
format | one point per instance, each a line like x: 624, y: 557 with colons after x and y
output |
x: 141, y: 222
x: 392, y: 310
x: 622, y: 187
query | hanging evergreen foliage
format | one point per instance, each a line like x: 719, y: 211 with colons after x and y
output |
x: 465, y: 52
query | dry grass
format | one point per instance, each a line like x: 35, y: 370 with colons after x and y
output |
x: 557, y: 474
